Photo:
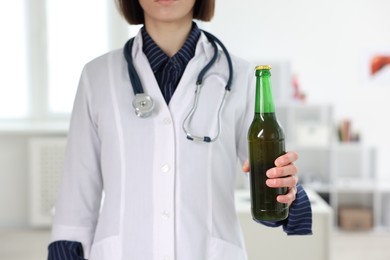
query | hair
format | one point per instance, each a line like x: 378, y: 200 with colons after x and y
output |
x: 132, y: 11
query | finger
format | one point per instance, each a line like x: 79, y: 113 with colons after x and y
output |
x: 280, y: 172
x: 286, y: 159
x: 290, y: 181
x: 245, y: 166
x: 289, y: 197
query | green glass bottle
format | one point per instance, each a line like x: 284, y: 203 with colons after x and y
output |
x: 266, y: 143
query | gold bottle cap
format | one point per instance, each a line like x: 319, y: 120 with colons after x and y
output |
x: 263, y: 67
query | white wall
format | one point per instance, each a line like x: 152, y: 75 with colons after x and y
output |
x: 326, y: 42
x: 13, y: 181
x: 15, y: 172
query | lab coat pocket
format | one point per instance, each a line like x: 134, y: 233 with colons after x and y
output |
x: 106, y: 249
x: 222, y: 250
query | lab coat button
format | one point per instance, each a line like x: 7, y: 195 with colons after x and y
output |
x: 166, y: 121
x: 165, y: 215
x: 165, y: 168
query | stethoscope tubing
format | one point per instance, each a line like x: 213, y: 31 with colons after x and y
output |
x: 144, y: 105
x: 134, y: 78
x: 214, y: 39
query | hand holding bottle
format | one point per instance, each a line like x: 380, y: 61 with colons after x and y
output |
x: 284, y: 174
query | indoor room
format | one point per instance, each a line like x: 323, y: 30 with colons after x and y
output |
x: 330, y: 74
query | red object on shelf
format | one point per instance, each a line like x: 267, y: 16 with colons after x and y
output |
x: 378, y: 63
x: 297, y: 93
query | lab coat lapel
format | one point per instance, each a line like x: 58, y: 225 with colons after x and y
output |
x: 146, y: 75
x: 183, y: 97
x: 204, y: 121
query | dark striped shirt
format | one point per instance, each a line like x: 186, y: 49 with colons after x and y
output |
x: 169, y: 70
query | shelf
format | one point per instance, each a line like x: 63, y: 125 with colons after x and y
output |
x: 27, y: 127
x: 384, y: 187
x: 355, y: 185
x: 318, y: 187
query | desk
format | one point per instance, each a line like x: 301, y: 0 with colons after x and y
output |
x: 263, y: 243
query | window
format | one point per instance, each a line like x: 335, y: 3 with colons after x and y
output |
x: 77, y: 31
x: 44, y: 47
x: 13, y: 63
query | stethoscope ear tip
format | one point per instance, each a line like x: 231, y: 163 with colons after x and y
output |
x: 205, y: 139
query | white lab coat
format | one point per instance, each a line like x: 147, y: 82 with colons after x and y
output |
x: 165, y: 197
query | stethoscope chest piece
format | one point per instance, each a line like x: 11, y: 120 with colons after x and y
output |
x: 143, y: 105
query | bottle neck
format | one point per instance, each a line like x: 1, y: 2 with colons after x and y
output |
x: 264, y: 101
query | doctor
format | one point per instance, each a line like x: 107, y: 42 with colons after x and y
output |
x: 166, y: 197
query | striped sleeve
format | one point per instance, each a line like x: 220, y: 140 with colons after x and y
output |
x: 65, y: 250
x: 300, y: 218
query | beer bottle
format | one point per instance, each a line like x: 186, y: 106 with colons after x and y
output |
x: 266, y: 143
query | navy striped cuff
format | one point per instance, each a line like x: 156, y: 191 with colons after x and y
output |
x: 65, y: 250
x: 300, y: 218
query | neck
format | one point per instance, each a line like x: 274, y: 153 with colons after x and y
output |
x: 170, y: 37
x: 264, y: 100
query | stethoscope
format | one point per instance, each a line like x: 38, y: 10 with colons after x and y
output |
x: 144, y: 105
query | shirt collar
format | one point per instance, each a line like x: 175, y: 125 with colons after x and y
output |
x: 157, y: 57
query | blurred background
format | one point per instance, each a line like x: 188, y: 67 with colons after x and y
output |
x: 331, y: 79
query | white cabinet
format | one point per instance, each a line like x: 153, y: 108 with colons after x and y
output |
x: 384, y: 205
x: 265, y: 243
x: 343, y: 173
